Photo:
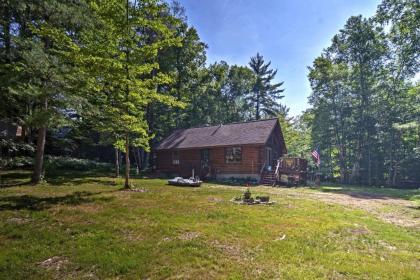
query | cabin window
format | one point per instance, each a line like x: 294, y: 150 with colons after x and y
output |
x: 175, y: 157
x: 233, y: 154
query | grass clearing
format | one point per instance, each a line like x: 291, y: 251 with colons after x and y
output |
x: 81, y: 226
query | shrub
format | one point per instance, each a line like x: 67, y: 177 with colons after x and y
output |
x: 238, y: 181
x: 55, y: 162
x: 16, y: 162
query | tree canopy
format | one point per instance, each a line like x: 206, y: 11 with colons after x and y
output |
x: 365, y: 103
x: 82, y: 77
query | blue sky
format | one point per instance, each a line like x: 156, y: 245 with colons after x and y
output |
x: 290, y: 33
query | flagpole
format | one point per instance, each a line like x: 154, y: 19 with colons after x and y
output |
x: 317, y: 159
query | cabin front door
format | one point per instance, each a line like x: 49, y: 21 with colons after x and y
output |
x: 269, y: 157
x: 205, y: 163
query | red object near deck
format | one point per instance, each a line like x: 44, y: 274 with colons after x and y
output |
x: 292, y: 171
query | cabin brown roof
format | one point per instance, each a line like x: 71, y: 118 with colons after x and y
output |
x: 254, y: 132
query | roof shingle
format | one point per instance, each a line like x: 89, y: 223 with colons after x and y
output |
x: 255, y: 132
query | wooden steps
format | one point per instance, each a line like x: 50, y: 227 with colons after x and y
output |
x: 268, y: 178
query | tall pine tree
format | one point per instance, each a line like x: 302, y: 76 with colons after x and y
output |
x: 265, y: 94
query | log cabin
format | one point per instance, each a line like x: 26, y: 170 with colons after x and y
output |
x: 238, y: 150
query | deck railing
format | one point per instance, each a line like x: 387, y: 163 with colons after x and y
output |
x: 277, y: 168
x: 262, y: 168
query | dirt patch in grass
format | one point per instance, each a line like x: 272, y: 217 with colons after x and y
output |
x: 214, y: 199
x: 18, y: 221
x: 359, y: 231
x: 230, y: 250
x: 387, y: 245
x: 390, y: 210
x: 166, y: 239
x: 55, y: 263
x: 133, y: 236
x: 187, y: 236
x: 134, y: 190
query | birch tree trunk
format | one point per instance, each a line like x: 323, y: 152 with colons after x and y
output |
x: 117, y: 163
x: 40, y: 148
x: 127, y: 162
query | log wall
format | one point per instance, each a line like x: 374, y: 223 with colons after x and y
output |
x: 253, y: 157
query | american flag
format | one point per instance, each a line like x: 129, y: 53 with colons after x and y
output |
x: 316, y: 157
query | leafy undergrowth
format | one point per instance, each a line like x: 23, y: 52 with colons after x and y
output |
x: 86, y: 228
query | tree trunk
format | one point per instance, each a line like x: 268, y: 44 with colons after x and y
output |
x: 40, y: 148
x: 143, y: 159
x: 147, y: 159
x: 355, y: 173
x: 136, y: 160
x: 117, y: 163
x: 39, y: 157
x: 257, y: 112
x: 369, y: 166
x: 127, y: 162
x: 391, y: 160
x: 339, y: 135
x: 127, y: 142
x: 139, y: 158
x: 342, y: 163
x: 394, y: 175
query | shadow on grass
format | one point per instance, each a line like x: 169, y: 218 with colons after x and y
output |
x: 366, y: 192
x: 181, y: 187
x: 64, y: 180
x: 238, y: 183
x: 14, y: 178
x: 77, y: 177
x: 34, y: 203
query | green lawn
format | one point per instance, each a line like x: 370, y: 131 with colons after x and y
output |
x: 81, y: 226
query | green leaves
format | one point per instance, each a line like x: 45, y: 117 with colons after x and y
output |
x: 297, y: 135
x: 364, y: 105
x: 120, y: 58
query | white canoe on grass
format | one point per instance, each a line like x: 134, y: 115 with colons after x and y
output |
x: 179, y: 181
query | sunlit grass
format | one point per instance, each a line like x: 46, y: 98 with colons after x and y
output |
x: 97, y: 231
